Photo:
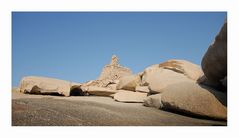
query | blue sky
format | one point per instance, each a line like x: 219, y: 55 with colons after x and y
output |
x: 76, y: 46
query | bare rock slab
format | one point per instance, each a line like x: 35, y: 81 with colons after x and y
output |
x: 144, y: 89
x: 99, y: 91
x: 130, y: 97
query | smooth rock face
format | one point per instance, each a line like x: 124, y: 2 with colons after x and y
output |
x: 44, y: 85
x: 128, y: 82
x: 188, y: 69
x: 160, y: 79
x: 161, y: 75
x: 99, y: 91
x: 142, y: 89
x: 153, y: 101
x: 129, y: 96
x: 214, y: 62
x: 192, y: 99
x: 192, y: 71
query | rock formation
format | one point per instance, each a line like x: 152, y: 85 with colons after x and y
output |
x: 144, y: 89
x: 154, y: 101
x: 114, y: 70
x: 175, y: 81
x: 214, y: 62
x: 174, y: 84
x: 188, y: 69
x: 110, y: 75
x: 129, y: 82
x: 159, y: 76
x: 191, y: 99
x: 44, y: 85
x: 129, y: 96
x: 99, y: 91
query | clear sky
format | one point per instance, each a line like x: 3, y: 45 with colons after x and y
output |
x: 76, y: 46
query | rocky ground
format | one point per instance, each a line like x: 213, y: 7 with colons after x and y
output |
x: 44, y: 110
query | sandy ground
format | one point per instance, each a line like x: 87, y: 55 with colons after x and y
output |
x: 39, y: 110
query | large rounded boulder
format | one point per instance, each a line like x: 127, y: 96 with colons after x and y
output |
x: 159, y: 76
x: 193, y: 99
x: 214, y: 62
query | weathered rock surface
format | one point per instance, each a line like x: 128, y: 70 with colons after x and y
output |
x: 110, y: 75
x: 153, y: 101
x: 192, y: 99
x: 44, y: 85
x: 142, y: 89
x: 99, y: 91
x: 190, y: 70
x: 129, y: 96
x: 161, y: 75
x: 160, y: 79
x: 38, y: 110
x: 214, y: 62
x: 114, y: 70
x: 129, y: 82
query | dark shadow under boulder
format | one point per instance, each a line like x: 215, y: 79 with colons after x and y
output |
x: 77, y: 92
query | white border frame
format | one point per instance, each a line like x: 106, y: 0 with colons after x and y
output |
x: 7, y: 6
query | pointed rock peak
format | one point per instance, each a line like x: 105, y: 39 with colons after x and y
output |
x: 114, y: 60
x: 114, y: 70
